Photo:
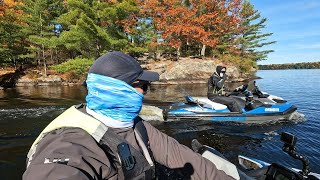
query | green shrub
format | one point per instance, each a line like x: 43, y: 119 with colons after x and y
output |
x: 78, y: 65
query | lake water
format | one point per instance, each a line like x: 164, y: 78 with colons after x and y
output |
x: 25, y: 111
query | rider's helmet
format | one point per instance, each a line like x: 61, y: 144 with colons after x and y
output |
x: 249, y: 96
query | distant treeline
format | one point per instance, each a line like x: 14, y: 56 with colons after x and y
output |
x: 306, y: 65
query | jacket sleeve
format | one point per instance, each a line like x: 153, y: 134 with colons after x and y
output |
x: 211, y: 86
x: 69, y: 153
x: 170, y: 153
x: 220, y: 82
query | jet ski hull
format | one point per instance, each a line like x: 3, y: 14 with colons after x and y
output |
x: 260, y: 115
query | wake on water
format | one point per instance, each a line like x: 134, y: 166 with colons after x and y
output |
x: 297, y: 117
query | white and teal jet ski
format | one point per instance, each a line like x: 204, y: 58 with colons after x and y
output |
x: 268, y: 108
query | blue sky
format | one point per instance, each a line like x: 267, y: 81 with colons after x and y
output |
x: 296, y: 28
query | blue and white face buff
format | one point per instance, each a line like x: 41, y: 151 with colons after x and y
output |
x: 112, y: 101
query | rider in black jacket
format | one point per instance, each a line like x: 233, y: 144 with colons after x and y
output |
x: 216, y: 90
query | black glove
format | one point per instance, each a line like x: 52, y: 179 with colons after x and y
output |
x: 225, y: 76
x: 244, y: 88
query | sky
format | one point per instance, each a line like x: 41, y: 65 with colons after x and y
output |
x: 296, y: 28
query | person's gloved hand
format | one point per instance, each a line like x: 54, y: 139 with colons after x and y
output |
x: 225, y: 76
x: 226, y: 92
x: 244, y: 88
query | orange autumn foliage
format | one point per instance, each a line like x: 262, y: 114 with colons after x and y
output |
x: 196, y: 21
x: 10, y: 13
x: 8, y: 5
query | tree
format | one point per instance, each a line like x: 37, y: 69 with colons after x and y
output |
x: 198, y: 22
x: 220, y: 18
x: 251, y: 37
x: 39, y: 18
x: 93, y: 27
x: 141, y: 36
x: 11, y: 37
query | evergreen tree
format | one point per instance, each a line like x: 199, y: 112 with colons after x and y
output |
x: 251, y: 37
x: 141, y: 36
x: 39, y: 20
x: 93, y: 27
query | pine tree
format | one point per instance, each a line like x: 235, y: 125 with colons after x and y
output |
x: 93, y: 27
x: 251, y: 37
x: 141, y: 36
x: 39, y: 19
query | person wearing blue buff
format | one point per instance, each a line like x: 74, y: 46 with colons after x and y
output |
x: 106, y: 139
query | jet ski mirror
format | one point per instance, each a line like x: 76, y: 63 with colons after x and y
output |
x: 288, y: 139
x: 289, y: 147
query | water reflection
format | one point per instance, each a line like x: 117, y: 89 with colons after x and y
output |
x: 23, y: 97
x: 66, y: 95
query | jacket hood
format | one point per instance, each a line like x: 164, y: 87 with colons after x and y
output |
x: 219, y: 68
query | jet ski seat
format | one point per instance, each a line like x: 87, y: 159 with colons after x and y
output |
x: 205, y: 102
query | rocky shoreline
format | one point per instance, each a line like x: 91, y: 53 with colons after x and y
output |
x: 184, y: 71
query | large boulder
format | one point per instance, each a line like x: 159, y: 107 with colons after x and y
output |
x: 188, y: 70
x: 151, y: 113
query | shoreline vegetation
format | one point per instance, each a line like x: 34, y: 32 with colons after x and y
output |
x: 56, y: 41
x: 184, y: 71
x: 304, y: 65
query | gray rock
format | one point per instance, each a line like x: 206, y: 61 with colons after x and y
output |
x: 49, y: 79
x: 190, y: 71
x: 151, y: 113
x: 25, y: 80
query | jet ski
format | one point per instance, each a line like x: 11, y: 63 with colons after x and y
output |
x: 267, y: 109
x: 251, y: 168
